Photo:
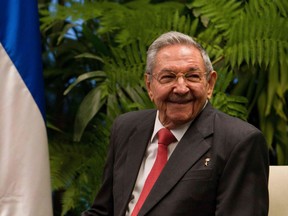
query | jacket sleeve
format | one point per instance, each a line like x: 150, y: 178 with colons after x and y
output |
x: 243, y: 185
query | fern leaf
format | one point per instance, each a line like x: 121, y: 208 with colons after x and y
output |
x: 282, y: 6
x: 87, y: 110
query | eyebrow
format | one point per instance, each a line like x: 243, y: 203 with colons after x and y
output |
x: 191, y: 69
x: 167, y: 70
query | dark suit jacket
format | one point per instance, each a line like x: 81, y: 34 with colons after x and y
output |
x: 234, y: 182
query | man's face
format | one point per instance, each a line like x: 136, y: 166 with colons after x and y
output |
x: 180, y: 101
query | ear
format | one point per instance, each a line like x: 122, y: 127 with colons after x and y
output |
x: 148, y: 85
x: 211, y: 83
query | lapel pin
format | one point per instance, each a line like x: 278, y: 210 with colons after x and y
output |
x: 206, y: 161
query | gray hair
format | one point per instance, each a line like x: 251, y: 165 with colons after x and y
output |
x: 172, y: 38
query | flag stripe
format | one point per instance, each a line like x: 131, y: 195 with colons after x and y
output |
x: 24, y: 165
x: 19, y: 34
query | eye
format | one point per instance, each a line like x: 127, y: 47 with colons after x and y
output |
x: 166, y: 78
x: 193, y: 77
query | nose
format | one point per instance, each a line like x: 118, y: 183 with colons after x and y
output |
x: 180, y: 86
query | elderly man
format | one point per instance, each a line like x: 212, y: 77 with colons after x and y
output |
x: 185, y: 157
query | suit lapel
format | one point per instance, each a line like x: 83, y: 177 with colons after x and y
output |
x: 137, y: 145
x: 191, y: 147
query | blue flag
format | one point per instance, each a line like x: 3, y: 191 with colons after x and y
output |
x: 24, y: 163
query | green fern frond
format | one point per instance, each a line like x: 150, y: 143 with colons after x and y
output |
x: 88, y: 108
x: 220, y: 13
x: 232, y: 105
x: 261, y: 46
x: 282, y: 6
x: 129, y: 21
x: 126, y: 67
x: 224, y: 79
x: 122, y: 74
x: 71, y: 165
x: 211, y: 40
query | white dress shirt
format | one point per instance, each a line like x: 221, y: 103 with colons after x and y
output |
x: 150, y: 157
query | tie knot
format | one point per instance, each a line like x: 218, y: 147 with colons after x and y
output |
x: 165, y: 137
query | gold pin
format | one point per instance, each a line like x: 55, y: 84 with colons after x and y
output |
x: 206, y: 161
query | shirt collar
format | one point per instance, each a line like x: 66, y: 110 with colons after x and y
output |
x: 177, y: 132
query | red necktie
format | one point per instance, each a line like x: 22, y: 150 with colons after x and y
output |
x: 165, y: 137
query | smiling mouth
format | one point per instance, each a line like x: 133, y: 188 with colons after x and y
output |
x: 180, y: 101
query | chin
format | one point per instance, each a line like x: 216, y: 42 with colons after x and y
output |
x: 180, y: 119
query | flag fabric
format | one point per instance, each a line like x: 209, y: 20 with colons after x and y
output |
x: 25, y: 188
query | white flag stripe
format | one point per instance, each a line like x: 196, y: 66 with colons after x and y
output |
x: 24, y: 164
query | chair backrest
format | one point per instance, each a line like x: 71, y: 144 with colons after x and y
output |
x: 278, y: 191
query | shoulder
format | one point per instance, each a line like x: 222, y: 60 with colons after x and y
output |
x: 226, y: 128
x: 233, y: 124
x: 125, y: 125
x: 235, y: 133
x: 135, y: 118
x: 135, y: 115
x: 212, y: 119
x: 235, y: 136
